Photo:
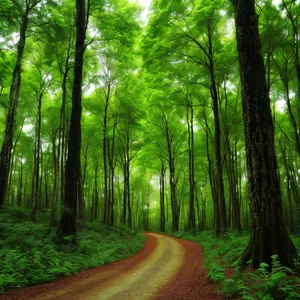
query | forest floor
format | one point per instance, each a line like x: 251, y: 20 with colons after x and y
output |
x: 166, y: 268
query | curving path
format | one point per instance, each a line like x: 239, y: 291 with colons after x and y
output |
x: 167, y: 268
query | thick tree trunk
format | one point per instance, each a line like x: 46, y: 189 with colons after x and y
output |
x: 268, y: 234
x: 81, y: 205
x: 68, y: 220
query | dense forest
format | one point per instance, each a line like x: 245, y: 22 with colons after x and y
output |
x: 185, y: 120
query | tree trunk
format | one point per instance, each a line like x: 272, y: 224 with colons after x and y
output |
x: 190, y: 122
x: 128, y: 187
x: 162, y: 198
x: 53, y: 219
x: 171, y: 161
x: 123, y: 220
x: 268, y: 233
x: 5, y: 157
x: 105, y: 168
x: 219, y: 172
x: 217, y: 222
x: 37, y: 154
x: 112, y: 166
x: 20, y: 194
x: 217, y: 145
x: 68, y: 220
x: 81, y: 204
x: 95, y: 198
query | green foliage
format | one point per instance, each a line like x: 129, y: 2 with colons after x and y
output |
x: 29, y: 254
x: 261, y: 284
x: 232, y: 288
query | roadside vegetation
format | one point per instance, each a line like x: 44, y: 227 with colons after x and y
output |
x: 222, y: 261
x: 30, y: 253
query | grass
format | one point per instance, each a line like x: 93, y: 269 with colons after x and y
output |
x: 223, y: 253
x: 29, y: 254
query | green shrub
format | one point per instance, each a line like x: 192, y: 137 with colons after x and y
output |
x: 29, y: 254
x: 261, y: 284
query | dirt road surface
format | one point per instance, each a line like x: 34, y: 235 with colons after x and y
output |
x: 167, y: 268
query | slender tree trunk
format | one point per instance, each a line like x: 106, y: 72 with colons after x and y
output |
x: 105, y: 158
x: 46, y: 190
x: 63, y: 136
x: 190, y: 122
x: 95, y: 199
x: 219, y: 172
x: 128, y: 187
x: 217, y: 219
x: 82, y: 191
x: 5, y: 154
x: 53, y: 220
x: 294, y: 19
x: 162, y: 198
x: 124, y: 212
x: 217, y: 145
x: 268, y: 234
x: 20, y: 194
x: 112, y: 166
x: 37, y: 154
x: 171, y: 161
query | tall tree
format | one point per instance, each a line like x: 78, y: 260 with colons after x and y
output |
x: 68, y: 220
x: 268, y: 233
x: 24, y: 11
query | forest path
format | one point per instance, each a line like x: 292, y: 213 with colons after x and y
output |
x: 167, y: 268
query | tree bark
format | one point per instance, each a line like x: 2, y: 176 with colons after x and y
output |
x: 68, y: 220
x: 268, y: 233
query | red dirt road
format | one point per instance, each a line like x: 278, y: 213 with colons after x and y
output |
x: 167, y: 268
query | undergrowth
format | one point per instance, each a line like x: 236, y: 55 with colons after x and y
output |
x: 261, y: 284
x: 29, y: 254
